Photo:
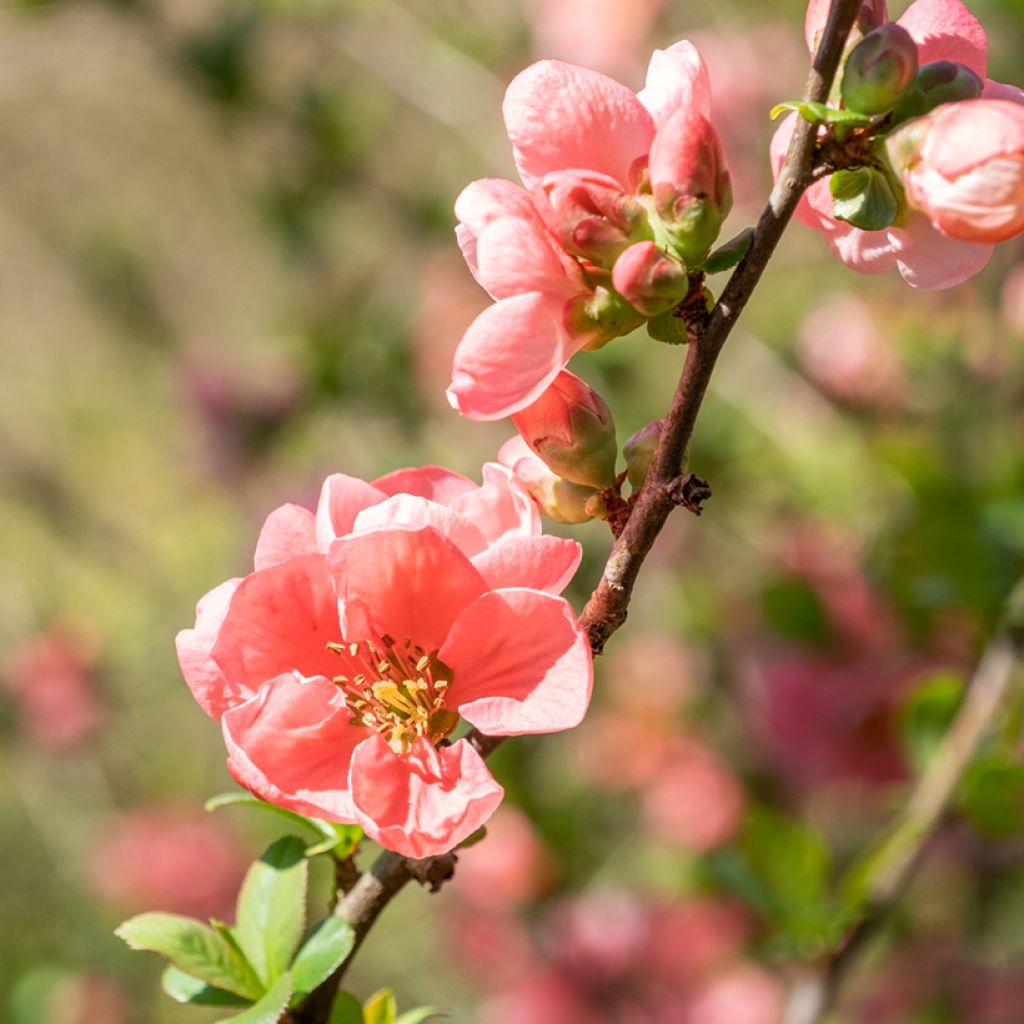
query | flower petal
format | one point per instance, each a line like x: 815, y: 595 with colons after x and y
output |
x: 930, y: 261
x: 424, y: 803
x: 280, y: 620
x: 499, y: 507
x: 291, y: 746
x: 946, y: 30
x: 433, y: 482
x: 521, y: 663
x: 560, y: 116
x: 205, y: 679
x: 676, y: 78
x: 405, y: 583
x: 407, y: 510
x: 512, y: 351
x: 342, y: 498
x: 287, y: 533
x: 540, y: 563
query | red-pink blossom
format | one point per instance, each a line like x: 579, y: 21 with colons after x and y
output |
x: 560, y: 500
x: 340, y: 667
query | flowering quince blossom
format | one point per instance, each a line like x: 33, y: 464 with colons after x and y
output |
x: 341, y: 666
x: 603, y: 169
x: 923, y: 243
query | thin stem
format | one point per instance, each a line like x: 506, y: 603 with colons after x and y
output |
x: 606, y: 610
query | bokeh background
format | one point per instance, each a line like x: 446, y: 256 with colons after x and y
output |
x: 227, y: 269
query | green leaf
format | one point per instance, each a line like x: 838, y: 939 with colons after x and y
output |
x: 992, y: 795
x: 927, y: 715
x: 343, y: 842
x: 381, y: 1008
x: 864, y: 198
x: 727, y: 255
x: 418, y: 1015
x: 186, y: 989
x: 270, y: 1009
x: 321, y: 954
x: 272, y: 907
x: 819, y: 113
x: 346, y: 1009
x: 668, y: 328
x: 193, y: 948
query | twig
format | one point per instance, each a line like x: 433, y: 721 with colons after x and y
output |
x: 606, y: 610
x: 903, y: 849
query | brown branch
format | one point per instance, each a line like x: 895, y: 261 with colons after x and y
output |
x: 606, y: 610
x: 902, y: 851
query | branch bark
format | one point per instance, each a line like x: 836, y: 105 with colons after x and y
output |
x: 606, y: 610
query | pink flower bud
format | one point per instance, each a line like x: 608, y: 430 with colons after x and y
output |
x: 879, y: 70
x: 968, y: 175
x: 570, y: 428
x: 652, y: 281
x: 690, y: 181
x: 558, y: 499
x: 638, y: 452
x: 590, y: 214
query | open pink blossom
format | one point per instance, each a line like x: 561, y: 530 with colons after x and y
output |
x: 340, y: 667
x: 944, y: 30
x: 581, y: 143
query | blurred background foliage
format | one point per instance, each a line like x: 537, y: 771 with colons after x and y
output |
x: 227, y: 269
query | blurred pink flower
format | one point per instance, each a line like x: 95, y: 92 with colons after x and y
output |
x: 166, y: 858
x: 493, y: 946
x: 511, y: 867
x: 618, y: 751
x: 743, y: 994
x: 847, y: 352
x: 85, y: 998
x: 369, y: 629
x: 1012, y: 299
x: 649, y: 672
x: 692, y: 938
x: 607, y: 35
x: 52, y: 679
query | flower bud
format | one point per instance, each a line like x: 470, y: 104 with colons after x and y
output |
x: 690, y: 184
x: 942, y: 81
x: 650, y: 280
x: 639, y: 451
x: 600, y: 316
x: 570, y: 428
x: 558, y: 499
x: 879, y: 70
x: 590, y: 215
x: 968, y: 174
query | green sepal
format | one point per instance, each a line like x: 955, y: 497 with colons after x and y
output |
x: 819, y: 113
x: 323, y: 952
x: 727, y: 255
x: 668, y: 328
x: 268, y: 1010
x: 864, y: 198
x: 183, y: 988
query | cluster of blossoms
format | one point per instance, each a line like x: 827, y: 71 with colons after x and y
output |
x: 941, y: 171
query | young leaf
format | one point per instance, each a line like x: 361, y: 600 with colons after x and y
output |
x: 381, y: 1008
x: 193, y: 948
x: 863, y: 198
x: 186, y: 989
x: 321, y: 954
x: 418, y: 1015
x: 819, y: 113
x: 346, y: 1009
x: 928, y: 714
x: 270, y: 1009
x: 323, y: 830
x: 727, y: 255
x: 992, y: 794
x: 669, y: 328
x: 272, y: 907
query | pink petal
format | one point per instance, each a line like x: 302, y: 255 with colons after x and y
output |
x: 287, y: 533
x: 540, y: 563
x: 424, y: 803
x: 930, y: 261
x: 291, y: 746
x: 817, y: 16
x: 560, y: 116
x: 946, y: 30
x: 406, y: 583
x: 280, y: 620
x: 512, y: 351
x: 432, y: 482
x: 499, y: 507
x: 1002, y: 91
x: 407, y: 510
x: 507, y: 246
x: 204, y: 676
x: 341, y: 500
x: 676, y: 78
x: 521, y: 663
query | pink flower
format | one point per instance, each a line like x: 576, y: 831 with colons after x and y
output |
x: 744, y: 992
x: 581, y: 143
x: 968, y: 174
x: 369, y: 630
x: 944, y: 30
x: 560, y: 500
x: 166, y: 858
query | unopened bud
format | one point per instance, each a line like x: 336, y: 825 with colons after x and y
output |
x: 639, y: 451
x: 879, y: 70
x: 690, y: 184
x: 558, y: 499
x: 590, y: 214
x: 942, y: 81
x: 570, y: 428
x: 650, y: 280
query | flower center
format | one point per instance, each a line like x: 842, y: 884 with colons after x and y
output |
x: 397, y: 689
